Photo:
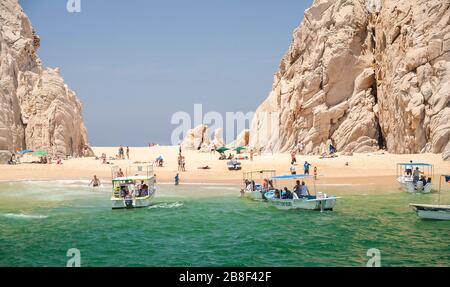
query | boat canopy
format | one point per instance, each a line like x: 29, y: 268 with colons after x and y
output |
x: 414, y: 164
x: 133, y: 178
x: 291, y: 176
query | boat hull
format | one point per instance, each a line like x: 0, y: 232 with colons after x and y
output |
x: 254, y: 195
x: 137, y: 202
x: 433, y: 212
x: 301, y: 203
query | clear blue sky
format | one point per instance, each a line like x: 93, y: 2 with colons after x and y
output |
x: 134, y: 63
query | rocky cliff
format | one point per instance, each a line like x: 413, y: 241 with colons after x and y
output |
x: 37, y: 109
x: 363, y: 75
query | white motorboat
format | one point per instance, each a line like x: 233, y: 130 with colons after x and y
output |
x: 254, y: 182
x: 434, y: 211
x: 133, y: 191
x: 319, y: 201
x: 415, y: 184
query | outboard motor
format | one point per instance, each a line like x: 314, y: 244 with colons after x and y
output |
x: 129, y: 202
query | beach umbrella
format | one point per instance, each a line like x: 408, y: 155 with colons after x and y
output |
x: 41, y: 152
x: 222, y: 149
x: 25, y: 151
x: 240, y: 148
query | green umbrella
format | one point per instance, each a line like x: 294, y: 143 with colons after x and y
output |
x: 41, y: 152
x: 222, y: 149
x: 239, y: 148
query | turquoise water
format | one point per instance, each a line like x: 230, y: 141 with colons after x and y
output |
x: 199, y: 225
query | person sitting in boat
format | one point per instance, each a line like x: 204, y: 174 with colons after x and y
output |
x: 423, y: 179
x: 123, y: 191
x: 416, y: 175
x: 297, y: 188
x: 287, y: 194
x: 429, y: 180
x: 143, y: 189
x: 276, y: 194
x: 304, y: 192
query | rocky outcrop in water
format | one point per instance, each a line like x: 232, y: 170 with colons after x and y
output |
x: 363, y: 75
x: 37, y: 109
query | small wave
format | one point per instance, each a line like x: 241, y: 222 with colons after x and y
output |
x: 166, y: 205
x: 23, y: 216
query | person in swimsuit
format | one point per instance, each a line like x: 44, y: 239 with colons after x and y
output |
x: 95, y: 182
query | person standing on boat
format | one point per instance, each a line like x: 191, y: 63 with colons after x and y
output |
x: 292, y: 168
x: 416, y: 175
x: 306, y: 167
x: 409, y: 169
x: 95, y: 182
x: 297, y: 188
x: 177, y: 179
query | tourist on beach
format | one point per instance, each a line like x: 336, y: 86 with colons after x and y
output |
x: 120, y: 173
x: 315, y: 172
x: 293, y: 169
x: 300, y: 147
x: 177, y: 179
x: 95, y: 182
x: 293, y: 158
x: 306, y: 167
x: 332, y: 149
x: 183, y: 163
x: 121, y: 155
x: 179, y: 161
x: 251, y: 154
x: 409, y: 168
x: 416, y: 175
x: 128, y: 152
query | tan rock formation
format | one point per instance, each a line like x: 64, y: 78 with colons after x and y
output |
x: 363, y: 74
x: 38, y: 110
x: 196, y: 138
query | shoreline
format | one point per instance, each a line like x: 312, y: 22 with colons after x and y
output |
x: 371, y: 169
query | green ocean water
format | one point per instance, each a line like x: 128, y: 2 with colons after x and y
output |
x: 200, y: 225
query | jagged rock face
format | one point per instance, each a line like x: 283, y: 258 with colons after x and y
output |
x: 413, y: 73
x: 363, y: 74
x: 196, y: 138
x: 242, y: 139
x: 37, y: 109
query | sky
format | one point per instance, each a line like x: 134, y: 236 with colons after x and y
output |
x: 133, y: 64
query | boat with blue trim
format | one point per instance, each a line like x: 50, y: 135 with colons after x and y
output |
x: 434, y: 211
x: 300, y: 198
x: 415, y: 176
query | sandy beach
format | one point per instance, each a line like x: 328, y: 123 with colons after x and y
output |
x: 367, y: 168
